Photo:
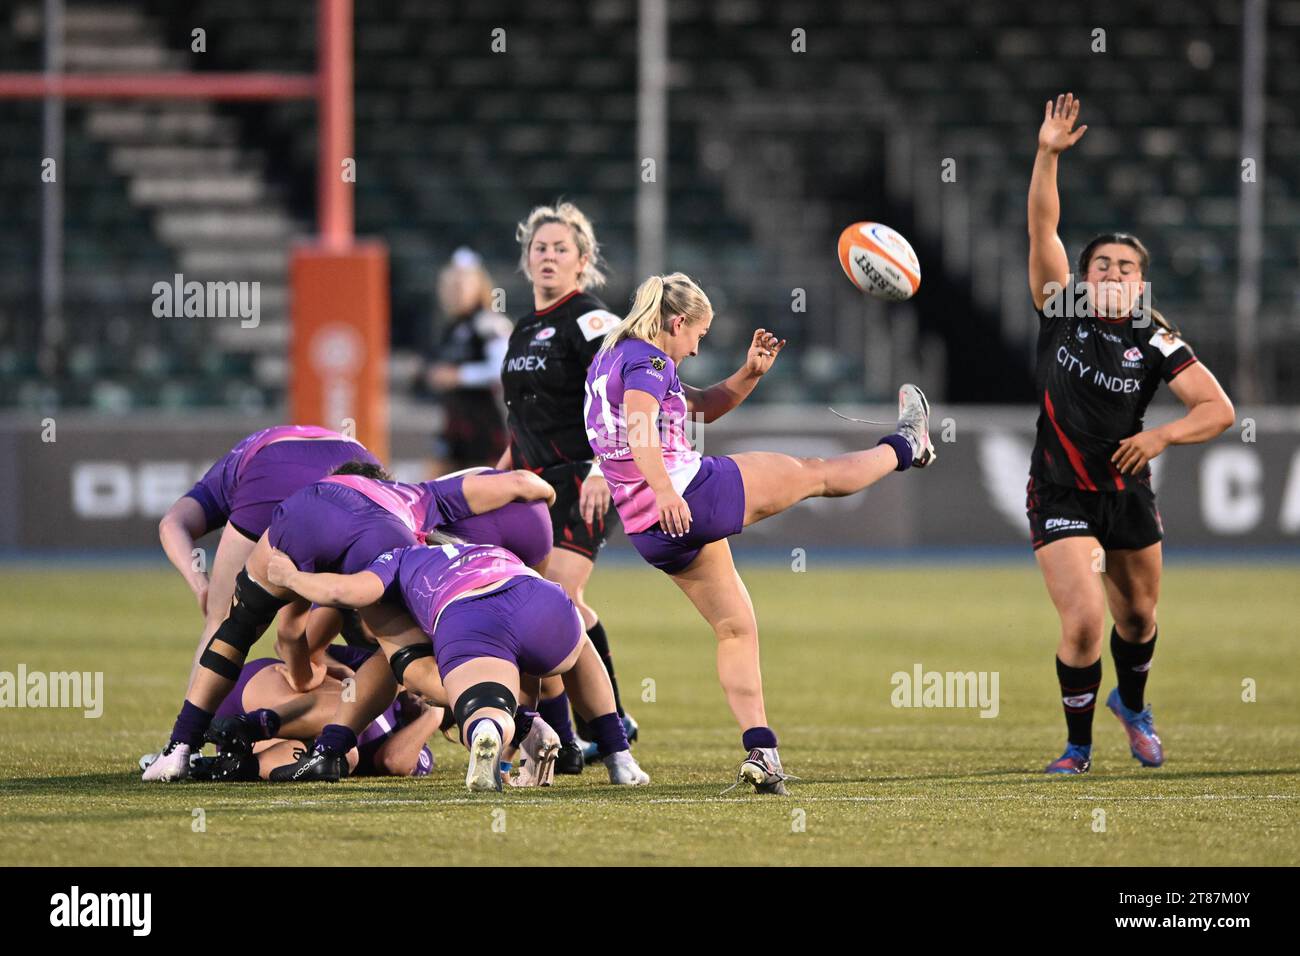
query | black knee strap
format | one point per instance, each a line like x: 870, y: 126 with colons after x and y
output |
x: 222, y: 666
x: 486, y: 694
x: 405, y: 655
x: 251, y: 613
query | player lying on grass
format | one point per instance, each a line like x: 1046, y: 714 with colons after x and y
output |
x: 264, y: 723
x: 521, y: 527
x: 486, y: 619
x: 679, y: 508
x: 1090, y: 488
x: 340, y: 524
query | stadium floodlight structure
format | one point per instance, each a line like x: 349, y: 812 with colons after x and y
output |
x: 339, y: 295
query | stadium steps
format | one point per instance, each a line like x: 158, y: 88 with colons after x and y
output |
x: 205, y: 193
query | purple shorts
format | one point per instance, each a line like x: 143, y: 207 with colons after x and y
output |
x: 716, y: 496
x: 280, y: 469
x: 527, y: 621
x: 522, y: 527
x: 329, y: 528
x: 233, y: 705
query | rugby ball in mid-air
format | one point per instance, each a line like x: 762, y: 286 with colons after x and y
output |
x: 879, y: 261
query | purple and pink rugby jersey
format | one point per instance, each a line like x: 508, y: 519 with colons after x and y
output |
x: 634, y: 364
x: 527, y: 620
x: 712, y: 486
x: 342, y: 523
x: 246, y: 484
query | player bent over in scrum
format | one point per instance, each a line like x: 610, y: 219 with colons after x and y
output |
x: 239, y: 493
x: 522, y: 527
x: 679, y: 508
x: 340, y: 524
x: 488, y: 619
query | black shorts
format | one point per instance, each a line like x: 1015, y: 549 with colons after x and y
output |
x: 571, y: 532
x: 1119, y: 520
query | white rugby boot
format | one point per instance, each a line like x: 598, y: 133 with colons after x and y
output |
x: 624, y: 771
x: 541, y: 746
x: 914, y: 424
x: 171, y: 765
x: 484, y: 758
x: 762, y: 769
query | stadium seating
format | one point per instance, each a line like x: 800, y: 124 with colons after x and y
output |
x: 771, y: 152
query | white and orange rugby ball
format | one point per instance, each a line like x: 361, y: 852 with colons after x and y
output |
x: 879, y: 261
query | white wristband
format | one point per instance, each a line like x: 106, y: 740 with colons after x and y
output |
x: 595, y: 470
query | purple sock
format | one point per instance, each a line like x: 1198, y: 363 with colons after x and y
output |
x: 336, y: 739
x: 759, y: 738
x: 191, y: 723
x: 609, y: 734
x: 902, y: 448
x: 266, y: 721
x: 473, y: 725
x: 556, y: 713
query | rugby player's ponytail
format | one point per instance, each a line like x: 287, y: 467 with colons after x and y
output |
x: 659, y: 298
x: 1144, y: 261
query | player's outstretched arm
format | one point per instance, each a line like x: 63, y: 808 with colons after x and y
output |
x: 714, y: 402
x: 1048, y: 262
x: 1209, y: 414
x: 490, y: 492
x: 179, y: 528
x: 643, y: 442
x: 338, y: 590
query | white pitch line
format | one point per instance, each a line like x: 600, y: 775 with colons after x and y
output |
x: 794, y: 800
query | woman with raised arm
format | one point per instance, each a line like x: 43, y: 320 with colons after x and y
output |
x: 1102, y: 353
x: 679, y: 508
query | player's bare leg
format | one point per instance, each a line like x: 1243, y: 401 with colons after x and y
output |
x: 1071, y: 570
x: 232, y: 554
x: 485, y: 691
x: 255, y: 604
x: 1132, y: 591
x: 588, y: 684
x: 775, y: 482
x: 572, y: 571
x: 715, y: 588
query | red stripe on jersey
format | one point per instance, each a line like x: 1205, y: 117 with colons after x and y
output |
x: 1071, y: 452
x: 1119, y: 479
x: 553, y: 307
x: 1190, y: 361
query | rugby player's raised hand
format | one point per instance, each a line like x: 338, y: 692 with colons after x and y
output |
x: 763, y: 350
x: 1057, y: 134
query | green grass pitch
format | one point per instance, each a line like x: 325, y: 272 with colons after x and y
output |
x: 879, y: 784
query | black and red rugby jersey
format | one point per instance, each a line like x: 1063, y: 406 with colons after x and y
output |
x: 1095, y: 378
x: 544, y: 379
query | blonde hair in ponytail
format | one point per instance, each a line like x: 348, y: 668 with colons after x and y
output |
x: 657, y: 300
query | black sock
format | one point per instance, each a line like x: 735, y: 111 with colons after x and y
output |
x: 601, y: 643
x: 1132, y: 664
x: 1079, y: 696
